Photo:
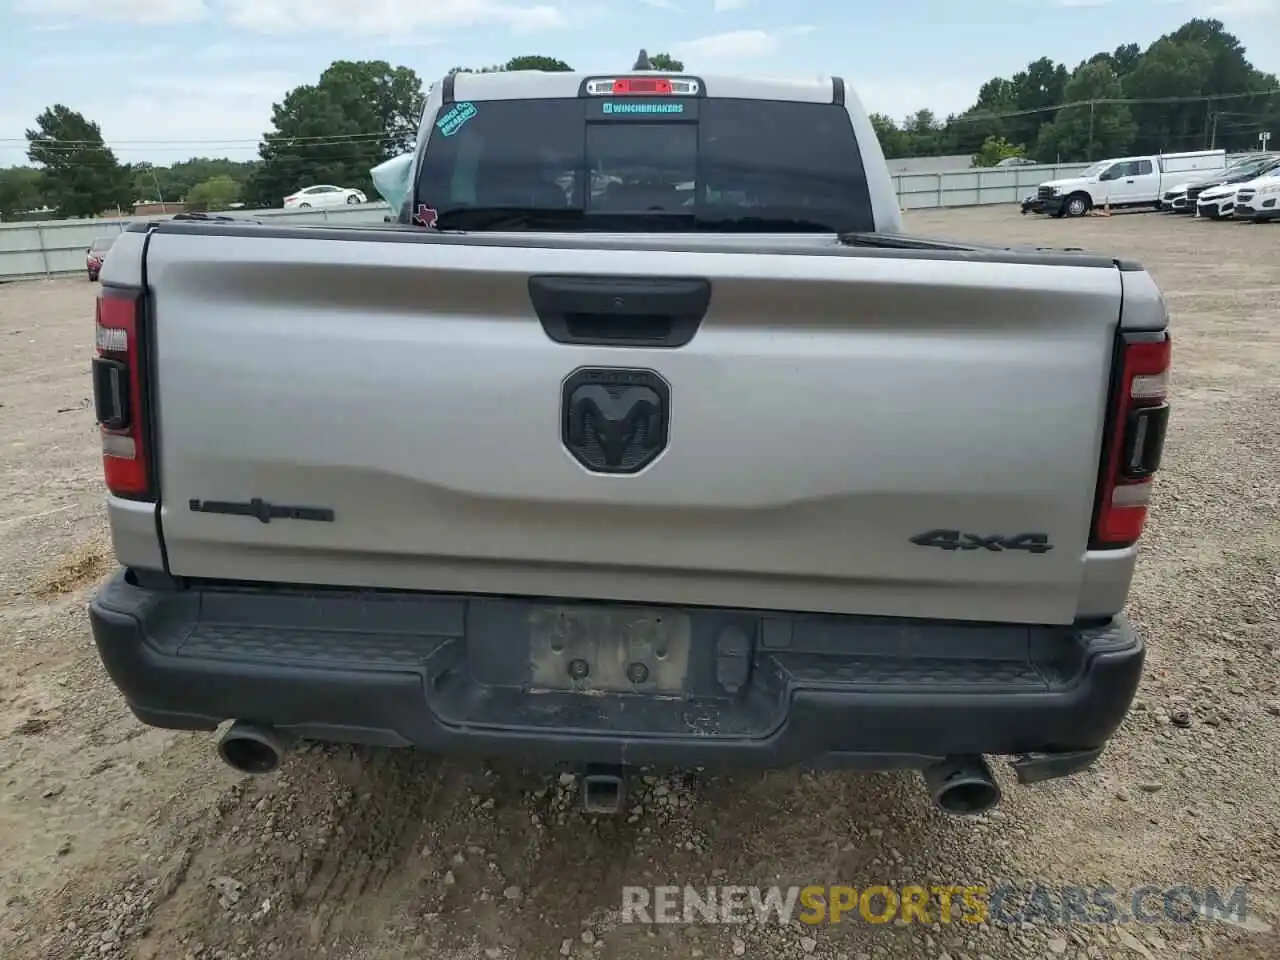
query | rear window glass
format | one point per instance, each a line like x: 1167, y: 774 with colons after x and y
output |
x: 648, y: 164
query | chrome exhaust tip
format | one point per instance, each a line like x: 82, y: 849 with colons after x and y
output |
x: 251, y: 749
x: 962, y: 786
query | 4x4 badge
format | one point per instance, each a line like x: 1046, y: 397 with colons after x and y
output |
x: 957, y: 540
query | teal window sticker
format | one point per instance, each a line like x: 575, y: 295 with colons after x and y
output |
x: 618, y: 108
x: 451, y: 122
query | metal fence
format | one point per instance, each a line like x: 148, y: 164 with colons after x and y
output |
x: 978, y: 186
x: 50, y: 247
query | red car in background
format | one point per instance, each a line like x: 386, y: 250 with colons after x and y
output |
x: 96, y: 255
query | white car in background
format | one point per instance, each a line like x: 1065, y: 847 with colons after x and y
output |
x: 1259, y: 199
x: 1218, y: 203
x: 323, y: 195
x: 1185, y: 197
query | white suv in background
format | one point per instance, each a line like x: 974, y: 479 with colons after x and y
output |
x: 324, y: 195
x: 1259, y: 199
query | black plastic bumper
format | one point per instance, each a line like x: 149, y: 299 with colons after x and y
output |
x: 466, y: 675
x: 1051, y: 206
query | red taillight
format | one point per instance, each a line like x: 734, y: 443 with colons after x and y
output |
x: 651, y: 86
x: 117, y: 393
x: 1135, y: 439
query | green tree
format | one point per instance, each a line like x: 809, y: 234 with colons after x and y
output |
x: 172, y: 183
x: 1122, y: 60
x: 893, y: 141
x: 989, y: 117
x: 995, y: 149
x: 1170, y: 69
x: 664, y: 61
x: 1037, y: 89
x: 359, y: 114
x: 547, y: 64
x: 528, y: 62
x: 149, y: 182
x: 19, y: 191
x: 1200, y: 58
x: 923, y: 133
x: 81, y: 176
x: 216, y: 193
x: 1092, y: 130
x: 1230, y: 71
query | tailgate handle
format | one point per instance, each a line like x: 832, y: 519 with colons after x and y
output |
x: 620, y: 311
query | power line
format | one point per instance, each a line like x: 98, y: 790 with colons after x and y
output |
x: 1107, y: 101
x: 323, y: 139
x: 62, y: 146
x: 222, y: 140
x: 193, y: 151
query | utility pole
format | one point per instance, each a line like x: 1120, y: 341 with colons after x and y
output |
x: 1263, y: 139
x: 1090, y: 152
x: 1213, y: 137
x: 159, y: 192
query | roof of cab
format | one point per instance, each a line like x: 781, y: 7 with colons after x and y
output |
x: 537, y: 85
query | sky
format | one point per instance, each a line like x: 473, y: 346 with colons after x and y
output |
x: 171, y: 79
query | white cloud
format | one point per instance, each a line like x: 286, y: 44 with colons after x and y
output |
x: 130, y: 11
x: 265, y: 86
x: 661, y: 4
x: 89, y: 61
x: 722, y: 6
x: 387, y: 17
x: 164, y: 119
x: 264, y: 51
x: 736, y: 45
x: 899, y: 97
x: 1246, y: 9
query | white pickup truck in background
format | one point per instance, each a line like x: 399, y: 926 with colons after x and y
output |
x: 1124, y: 182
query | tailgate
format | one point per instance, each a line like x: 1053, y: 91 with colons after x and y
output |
x: 415, y: 424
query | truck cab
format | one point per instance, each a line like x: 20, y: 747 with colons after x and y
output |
x: 1124, y: 182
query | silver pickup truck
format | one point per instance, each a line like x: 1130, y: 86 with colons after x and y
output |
x: 647, y: 438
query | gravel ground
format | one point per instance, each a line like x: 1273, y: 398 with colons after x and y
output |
x: 121, y: 841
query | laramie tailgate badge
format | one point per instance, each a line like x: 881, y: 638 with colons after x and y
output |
x: 263, y: 511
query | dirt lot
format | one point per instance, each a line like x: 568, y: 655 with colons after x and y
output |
x: 121, y: 841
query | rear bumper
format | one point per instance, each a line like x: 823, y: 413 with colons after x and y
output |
x: 453, y: 675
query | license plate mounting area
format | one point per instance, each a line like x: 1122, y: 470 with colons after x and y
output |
x: 599, y: 650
